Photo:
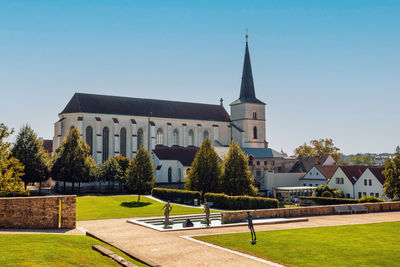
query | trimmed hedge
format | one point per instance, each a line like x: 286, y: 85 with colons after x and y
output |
x: 336, y: 201
x: 222, y: 201
x: 370, y: 199
x: 176, y: 195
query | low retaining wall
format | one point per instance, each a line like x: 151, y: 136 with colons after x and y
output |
x: 236, y: 216
x: 38, y: 212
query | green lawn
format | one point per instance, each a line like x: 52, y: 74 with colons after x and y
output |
x: 93, y: 208
x: 53, y: 250
x: 352, y: 245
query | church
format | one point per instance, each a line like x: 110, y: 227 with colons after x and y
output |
x: 171, y: 130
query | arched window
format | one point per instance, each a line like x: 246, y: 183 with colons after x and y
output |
x: 106, y: 143
x: 255, y: 132
x: 254, y: 115
x: 251, y: 158
x: 89, y: 138
x: 175, y: 137
x: 205, y: 134
x: 122, y: 143
x: 191, y: 138
x: 160, y: 137
x: 169, y: 175
x: 139, y: 138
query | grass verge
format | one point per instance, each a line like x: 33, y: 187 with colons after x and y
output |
x: 351, y: 245
x: 54, y: 250
x: 94, y: 208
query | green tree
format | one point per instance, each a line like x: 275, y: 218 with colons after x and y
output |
x: 205, y: 173
x: 391, y: 187
x: 321, y: 147
x: 362, y: 160
x: 10, y: 168
x: 73, y: 162
x: 140, y: 176
x: 236, y: 178
x: 113, y: 170
x: 124, y: 163
x: 28, y: 149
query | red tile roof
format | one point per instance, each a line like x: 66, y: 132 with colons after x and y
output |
x: 327, y: 170
x: 353, y: 172
x: 377, y: 172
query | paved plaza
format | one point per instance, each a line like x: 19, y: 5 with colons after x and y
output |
x: 170, y: 249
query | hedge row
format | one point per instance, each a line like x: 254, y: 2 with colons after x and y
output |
x: 336, y: 201
x: 222, y: 201
x: 176, y: 195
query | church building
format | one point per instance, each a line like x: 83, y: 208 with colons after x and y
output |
x: 114, y: 125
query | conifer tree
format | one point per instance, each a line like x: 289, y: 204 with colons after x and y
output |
x: 10, y: 168
x: 237, y: 179
x: 391, y: 187
x: 205, y: 172
x: 73, y: 162
x: 28, y: 149
x: 140, y: 176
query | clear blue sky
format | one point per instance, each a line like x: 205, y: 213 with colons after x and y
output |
x: 324, y: 69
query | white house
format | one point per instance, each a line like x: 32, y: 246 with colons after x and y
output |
x: 318, y: 175
x: 370, y: 183
x: 345, y: 177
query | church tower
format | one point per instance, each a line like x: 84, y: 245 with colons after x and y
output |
x: 247, y: 112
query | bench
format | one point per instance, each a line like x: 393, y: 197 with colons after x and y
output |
x: 342, y: 209
x: 358, y: 208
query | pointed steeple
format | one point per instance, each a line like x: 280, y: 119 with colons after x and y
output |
x: 247, y: 91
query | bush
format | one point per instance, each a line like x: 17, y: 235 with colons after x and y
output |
x: 222, y: 201
x: 319, y: 190
x: 326, y: 194
x: 336, y: 201
x: 330, y: 200
x: 175, y: 195
x: 338, y: 194
x: 370, y: 199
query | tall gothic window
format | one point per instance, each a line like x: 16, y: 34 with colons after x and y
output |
x: 169, y: 175
x: 122, y: 143
x: 255, y: 132
x: 89, y: 138
x: 254, y: 115
x: 191, y: 138
x: 175, y: 137
x: 106, y: 143
x: 205, y: 134
x: 139, y: 138
x: 160, y: 137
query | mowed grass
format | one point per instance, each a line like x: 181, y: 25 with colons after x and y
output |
x: 53, y: 250
x: 352, y: 245
x: 94, y: 208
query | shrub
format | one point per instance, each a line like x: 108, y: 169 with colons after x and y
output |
x: 336, y: 201
x: 319, y: 190
x: 338, y: 194
x: 370, y: 199
x: 222, y: 201
x: 175, y: 195
x: 326, y: 194
x: 330, y: 200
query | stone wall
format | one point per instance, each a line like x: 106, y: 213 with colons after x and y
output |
x: 236, y: 216
x: 38, y: 212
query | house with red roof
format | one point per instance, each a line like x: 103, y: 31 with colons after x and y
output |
x: 345, y: 178
x: 318, y: 175
x: 371, y: 183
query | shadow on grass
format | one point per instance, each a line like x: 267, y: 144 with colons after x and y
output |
x: 135, y: 204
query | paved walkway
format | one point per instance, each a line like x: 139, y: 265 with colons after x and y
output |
x: 170, y: 249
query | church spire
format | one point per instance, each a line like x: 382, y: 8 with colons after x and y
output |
x: 247, y: 91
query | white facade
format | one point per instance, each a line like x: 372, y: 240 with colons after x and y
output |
x: 368, y: 185
x: 250, y: 119
x: 313, y: 178
x: 173, y: 132
x: 340, y: 181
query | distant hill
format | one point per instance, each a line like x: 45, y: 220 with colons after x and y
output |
x: 378, y: 159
